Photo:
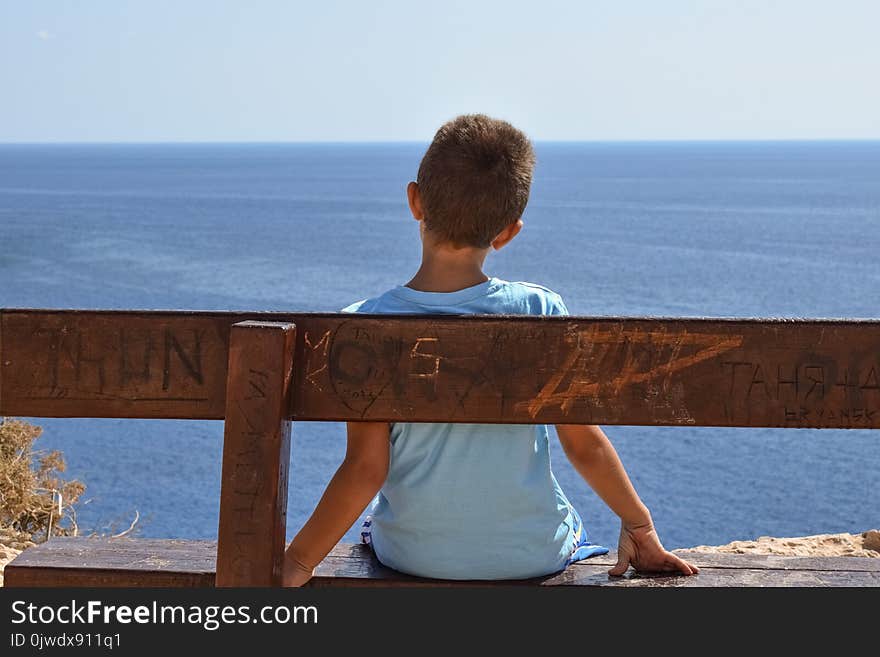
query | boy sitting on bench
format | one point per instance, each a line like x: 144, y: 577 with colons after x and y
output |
x: 472, y: 501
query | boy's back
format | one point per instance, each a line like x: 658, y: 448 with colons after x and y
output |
x: 472, y: 501
x: 464, y: 501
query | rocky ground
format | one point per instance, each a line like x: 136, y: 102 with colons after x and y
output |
x: 866, y: 544
x: 10, y: 547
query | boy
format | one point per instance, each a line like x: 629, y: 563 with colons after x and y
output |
x: 465, y: 501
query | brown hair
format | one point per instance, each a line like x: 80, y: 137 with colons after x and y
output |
x: 474, y: 179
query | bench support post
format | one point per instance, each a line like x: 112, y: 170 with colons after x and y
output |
x: 256, y: 455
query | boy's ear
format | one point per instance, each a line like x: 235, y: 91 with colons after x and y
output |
x: 506, y: 235
x: 415, y: 201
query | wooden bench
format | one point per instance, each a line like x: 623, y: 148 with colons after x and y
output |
x: 259, y: 371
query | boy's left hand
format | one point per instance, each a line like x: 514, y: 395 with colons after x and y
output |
x: 640, y: 547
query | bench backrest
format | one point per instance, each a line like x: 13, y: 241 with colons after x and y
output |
x: 704, y: 372
x: 258, y: 371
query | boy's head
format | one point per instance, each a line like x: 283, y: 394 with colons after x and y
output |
x: 474, y: 180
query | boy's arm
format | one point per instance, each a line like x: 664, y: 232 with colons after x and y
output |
x: 355, y: 483
x: 594, y: 457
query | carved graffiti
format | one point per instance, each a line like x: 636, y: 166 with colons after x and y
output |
x: 79, y: 364
x: 363, y: 368
x: 811, y: 393
x: 316, y: 351
x: 577, y: 379
x: 247, y: 479
x: 729, y: 372
x: 190, y: 358
x: 424, y: 349
x: 604, y: 371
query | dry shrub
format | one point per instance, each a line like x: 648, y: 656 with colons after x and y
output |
x: 30, y: 486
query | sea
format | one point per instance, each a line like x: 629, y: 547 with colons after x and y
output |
x: 684, y: 229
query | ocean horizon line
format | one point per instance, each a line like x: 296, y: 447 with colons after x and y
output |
x: 405, y: 142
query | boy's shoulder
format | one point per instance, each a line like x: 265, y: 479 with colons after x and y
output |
x: 534, y: 288
x: 377, y: 303
x: 494, y: 296
x: 540, y: 299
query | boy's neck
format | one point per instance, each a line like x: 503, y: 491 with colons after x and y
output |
x: 447, y: 269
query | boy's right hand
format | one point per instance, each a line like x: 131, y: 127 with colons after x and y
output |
x: 640, y: 547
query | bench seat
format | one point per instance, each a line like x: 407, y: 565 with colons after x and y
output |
x: 94, y: 562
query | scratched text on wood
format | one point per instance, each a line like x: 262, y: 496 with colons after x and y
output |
x: 515, y: 369
x: 134, y: 362
x: 602, y: 372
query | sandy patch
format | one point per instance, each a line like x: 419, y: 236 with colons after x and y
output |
x: 866, y: 544
x: 7, y: 554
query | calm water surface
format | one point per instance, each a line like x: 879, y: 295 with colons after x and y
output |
x: 682, y: 229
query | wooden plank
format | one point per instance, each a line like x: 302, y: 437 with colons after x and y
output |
x: 357, y: 554
x: 256, y: 455
x: 591, y: 575
x: 96, y: 578
x: 354, y: 564
x: 162, y: 562
x: 134, y: 553
x: 96, y: 562
x: 594, y: 575
x: 701, y: 372
x: 113, y: 364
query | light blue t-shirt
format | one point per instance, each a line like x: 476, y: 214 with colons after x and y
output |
x: 471, y: 501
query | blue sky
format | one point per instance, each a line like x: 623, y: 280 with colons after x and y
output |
x: 272, y: 70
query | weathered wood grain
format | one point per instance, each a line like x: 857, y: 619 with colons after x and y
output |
x: 356, y: 555
x: 116, y: 562
x: 113, y: 364
x: 595, y: 575
x: 157, y: 562
x: 701, y: 372
x: 592, y: 575
x: 355, y: 565
x: 256, y: 455
x: 38, y: 577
